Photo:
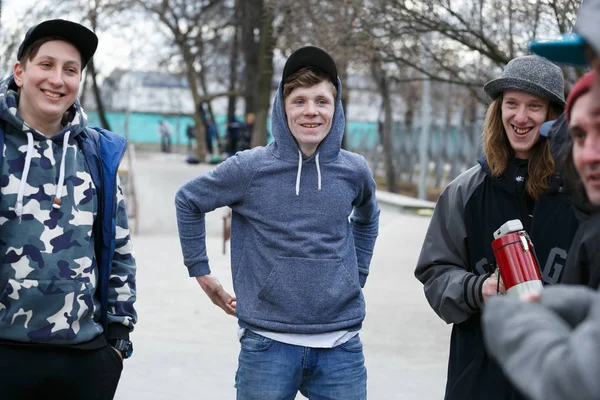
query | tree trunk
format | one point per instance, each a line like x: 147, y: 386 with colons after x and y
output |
x: 193, y: 82
x: 266, y: 46
x: 386, y: 128
x: 250, y: 16
x: 98, y: 96
x: 233, y: 62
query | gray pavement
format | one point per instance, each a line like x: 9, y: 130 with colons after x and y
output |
x: 186, y: 348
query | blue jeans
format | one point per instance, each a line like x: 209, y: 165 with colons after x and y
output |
x: 271, y: 370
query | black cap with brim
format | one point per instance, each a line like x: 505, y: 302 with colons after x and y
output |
x: 310, y: 56
x: 81, y: 37
x: 570, y: 49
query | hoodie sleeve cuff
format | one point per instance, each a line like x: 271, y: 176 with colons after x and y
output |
x: 472, y: 289
x: 117, y: 331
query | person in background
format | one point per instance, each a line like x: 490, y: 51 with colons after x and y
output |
x: 211, y: 135
x: 190, y: 132
x: 165, y: 132
x: 234, y: 131
x: 514, y: 180
x: 68, y: 276
x: 304, y: 223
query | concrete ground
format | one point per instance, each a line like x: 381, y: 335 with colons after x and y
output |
x: 186, y: 348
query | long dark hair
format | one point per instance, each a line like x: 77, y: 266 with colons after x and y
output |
x: 498, y: 151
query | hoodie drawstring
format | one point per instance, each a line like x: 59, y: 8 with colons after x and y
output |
x: 23, y: 183
x: 300, y: 172
x: 61, y: 174
x: 29, y: 154
x: 318, y: 171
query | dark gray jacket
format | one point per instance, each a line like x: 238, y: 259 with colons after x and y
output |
x: 550, y: 349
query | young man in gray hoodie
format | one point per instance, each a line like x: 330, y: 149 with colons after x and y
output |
x: 548, y: 343
x: 305, y: 220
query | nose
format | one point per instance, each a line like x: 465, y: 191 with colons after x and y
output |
x: 590, y: 153
x: 310, y: 108
x: 55, y: 78
x: 521, y: 115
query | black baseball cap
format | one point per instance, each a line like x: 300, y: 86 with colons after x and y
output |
x: 81, y: 37
x: 310, y: 56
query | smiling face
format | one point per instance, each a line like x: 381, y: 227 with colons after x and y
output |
x: 584, y: 126
x: 522, y: 116
x: 309, y: 113
x: 49, y: 84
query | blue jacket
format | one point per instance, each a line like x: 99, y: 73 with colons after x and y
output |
x: 302, y: 234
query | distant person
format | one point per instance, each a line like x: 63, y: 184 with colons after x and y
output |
x: 515, y: 179
x: 246, y: 138
x: 190, y: 132
x: 165, y: 132
x: 304, y: 223
x: 68, y: 276
x: 211, y: 135
x: 234, y: 131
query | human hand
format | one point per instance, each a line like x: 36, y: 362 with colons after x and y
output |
x: 491, y: 287
x: 531, y: 296
x: 118, y: 352
x: 214, y: 290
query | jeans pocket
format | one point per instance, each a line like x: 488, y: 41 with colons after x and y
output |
x: 254, y: 342
x: 353, y: 345
x: 114, y: 355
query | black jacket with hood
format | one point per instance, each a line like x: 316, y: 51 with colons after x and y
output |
x: 583, y: 264
x: 457, y: 257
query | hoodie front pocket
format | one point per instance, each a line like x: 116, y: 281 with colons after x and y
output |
x: 43, y: 310
x: 310, y: 291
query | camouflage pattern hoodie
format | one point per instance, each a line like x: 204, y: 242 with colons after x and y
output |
x: 48, y: 205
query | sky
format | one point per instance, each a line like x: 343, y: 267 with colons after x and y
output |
x: 133, y: 47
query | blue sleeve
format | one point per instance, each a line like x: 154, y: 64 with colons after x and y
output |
x: 365, y: 222
x: 222, y: 186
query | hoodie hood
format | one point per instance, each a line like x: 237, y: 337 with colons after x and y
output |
x: 74, y: 122
x: 284, y: 145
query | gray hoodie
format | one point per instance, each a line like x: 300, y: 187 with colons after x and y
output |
x: 302, y: 234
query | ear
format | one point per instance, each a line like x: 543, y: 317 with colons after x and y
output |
x: 18, y: 70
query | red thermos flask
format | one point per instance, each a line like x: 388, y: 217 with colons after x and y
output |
x: 516, y: 260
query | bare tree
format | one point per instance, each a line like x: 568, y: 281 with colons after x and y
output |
x: 189, y: 23
x: 265, y: 68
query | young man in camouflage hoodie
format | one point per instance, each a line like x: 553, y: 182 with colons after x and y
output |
x: 67, y: 276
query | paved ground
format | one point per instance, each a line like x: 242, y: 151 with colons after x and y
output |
x: 186, y: 348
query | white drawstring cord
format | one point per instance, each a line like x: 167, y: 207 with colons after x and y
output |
x: 299, y: 173
x: 318, y: 171
x: 19, y: 204
x: 61, y: 176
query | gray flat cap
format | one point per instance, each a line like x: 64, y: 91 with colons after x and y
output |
x: 530, y: 74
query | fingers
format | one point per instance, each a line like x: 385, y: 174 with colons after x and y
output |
x: 217, y: 294
x: 530, y: 296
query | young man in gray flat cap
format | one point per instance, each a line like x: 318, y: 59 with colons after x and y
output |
x: 548, y: 345
x: 514, y: 180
